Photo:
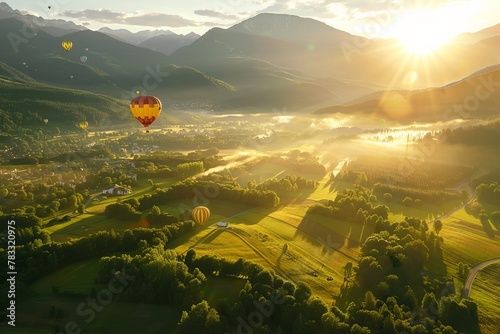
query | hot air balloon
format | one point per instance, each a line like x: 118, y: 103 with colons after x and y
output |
x: 67, y: 45
x: 83, y: 59
x: 145, y: 109
x: 83, y: 125
x: 200, y: 215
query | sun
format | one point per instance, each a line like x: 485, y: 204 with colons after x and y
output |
x: 425, y: 30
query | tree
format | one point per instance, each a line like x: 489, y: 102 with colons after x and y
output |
x: 347, y: 271
x: 55, y: 205
x: 285, y: 248
x: 438, y: 225
x: 81, y: 208
x: 407, y: 201
x: 357, y: 329
x: 389, y: 327
x: 155, y: 211
x: 370, y: 302
x: 316, y: 307
x: 302, y: 292
x: 200, y: 319
x: 107, y: 181
x: 72, y: 201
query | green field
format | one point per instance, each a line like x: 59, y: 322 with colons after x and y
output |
x: 265, y: 171
x: 467, y: 241
x: 117, y: 316
x: 317, y: 244
x: 75, y: 278
x: 427, y: 211
x: 259, y: 235
x: 485, y: 292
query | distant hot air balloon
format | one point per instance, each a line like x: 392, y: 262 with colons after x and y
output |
x: 145, y: 109
x: 67, y: 45
x: 83, y: 59
x: 200, y: 215
x: 49, y: 7
x: 45, y: 121
x: 83, y: 125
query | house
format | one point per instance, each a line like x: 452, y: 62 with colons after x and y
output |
x: 223, y: 224
x: 116, y: 190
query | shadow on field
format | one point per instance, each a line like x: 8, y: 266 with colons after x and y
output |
x: 336, y: 186
x: 211, y: 236
x: 208, y: 238
x: 496, y: 224
x: 487, y: 227
x: 334, y: 233
x: 310, y: 226
x: 252, y: 217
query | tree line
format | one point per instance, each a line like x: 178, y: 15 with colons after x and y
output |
x: 225, y: 190
x: 425, y: 195
x: 353, y: 205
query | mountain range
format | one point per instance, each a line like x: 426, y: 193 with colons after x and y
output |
x: 475, y: 96
x: 266, y: 62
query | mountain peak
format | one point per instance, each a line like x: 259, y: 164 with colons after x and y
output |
x: 288, y: 27
x: 5, y: 6
x: 192, y: 35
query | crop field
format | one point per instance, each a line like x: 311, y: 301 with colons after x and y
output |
x: 466, y: 241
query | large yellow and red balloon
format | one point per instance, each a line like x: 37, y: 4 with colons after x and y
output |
x: 145, y: 109
x: 200, y: 215
x: 67, y: 45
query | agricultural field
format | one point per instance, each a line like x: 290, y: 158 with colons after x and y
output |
x: 468, y: 241
x: 267, y: 201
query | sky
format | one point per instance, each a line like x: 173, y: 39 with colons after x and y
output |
x: 369, y: 18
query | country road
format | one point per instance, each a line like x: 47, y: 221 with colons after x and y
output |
x: 473, y: 273
x: 472, y: 195
x: 446, y: 215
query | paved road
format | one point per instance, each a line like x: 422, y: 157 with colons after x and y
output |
x: 473, y: 273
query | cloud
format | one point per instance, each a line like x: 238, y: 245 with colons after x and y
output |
x: 99, y: 15
x: 29, y: 12
x: 159, y: 20
x: 216, y: 14
x: 139, y: 19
